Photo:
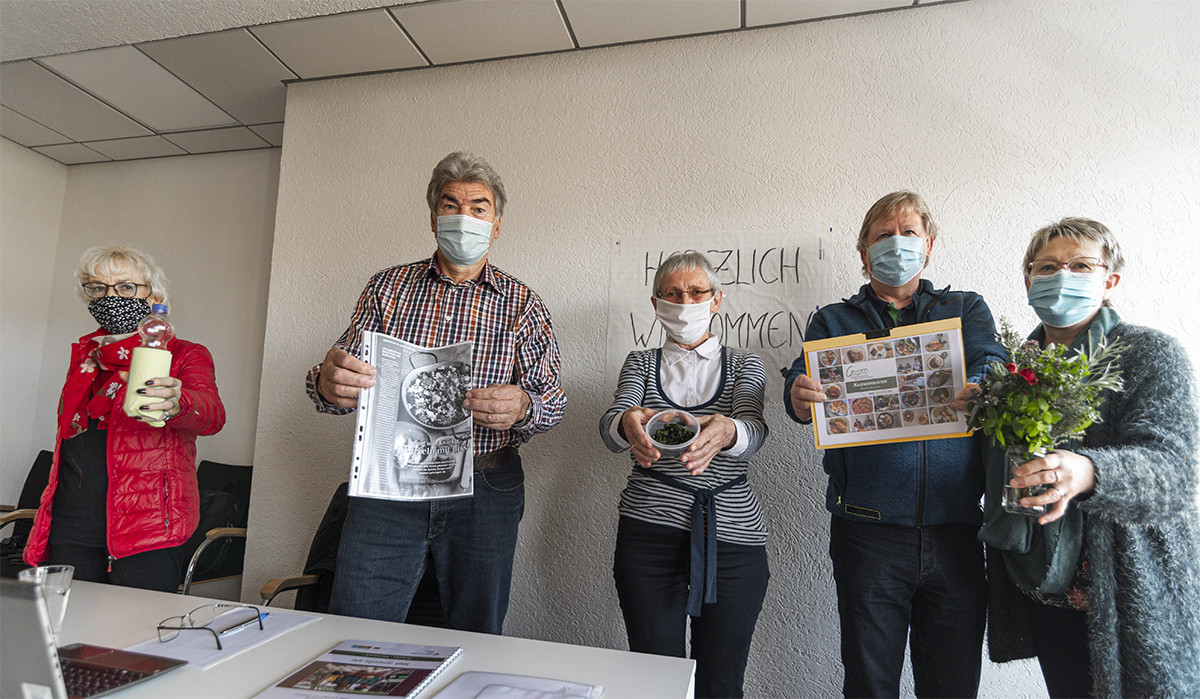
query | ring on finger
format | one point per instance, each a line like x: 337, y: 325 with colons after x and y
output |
x: 1054, y: 472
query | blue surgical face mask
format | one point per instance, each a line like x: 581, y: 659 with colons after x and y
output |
x: 464, y: 240
x: 895, y: 260
x: 1065, y: 298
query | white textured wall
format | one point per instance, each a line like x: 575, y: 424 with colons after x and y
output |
x: 32, y: 188
x: 1004, y: 115
x: 208, y: 221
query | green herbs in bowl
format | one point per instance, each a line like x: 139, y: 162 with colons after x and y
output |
x: 673, y: 431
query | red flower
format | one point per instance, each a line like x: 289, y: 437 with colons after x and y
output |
x: 1012, y: 368
x: 1029, y: 376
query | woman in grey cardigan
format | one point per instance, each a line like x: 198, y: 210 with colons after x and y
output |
x: 1128, y: 621
x: 691, y: 537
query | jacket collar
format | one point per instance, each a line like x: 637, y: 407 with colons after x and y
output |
x: 922, y: 297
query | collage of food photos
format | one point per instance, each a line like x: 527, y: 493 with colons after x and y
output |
x: 888, y: 389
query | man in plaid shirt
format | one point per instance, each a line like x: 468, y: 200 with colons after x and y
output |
x: 454, y: 296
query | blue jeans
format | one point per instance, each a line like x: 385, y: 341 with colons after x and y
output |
x: 651, y: 568
x: 923, y: 583
x: 470, y: 542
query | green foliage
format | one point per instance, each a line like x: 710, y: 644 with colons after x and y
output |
x: 1042, y: 397
x: 672, y: 433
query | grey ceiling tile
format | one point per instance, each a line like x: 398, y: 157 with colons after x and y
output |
x: 25, y: 131
x: 356, y: 42
x: 454, y: 31
x: 762, y: 12
x: 231, y: 68
x: 211, y: 141
x: 71, y: 154
x: 273, y: 133
x: 57, y: 104
x: 128, y: 80
x: 599, y: 22
x: 134, y: 148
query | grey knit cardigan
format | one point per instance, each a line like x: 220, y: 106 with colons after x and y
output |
x: 1142, y: 541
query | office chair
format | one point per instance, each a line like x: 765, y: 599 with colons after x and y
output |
x: 314, y: 586
x: 216, y: 553
x: 21, y: 516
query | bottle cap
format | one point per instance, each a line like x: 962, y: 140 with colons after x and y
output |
x: 158, y: 308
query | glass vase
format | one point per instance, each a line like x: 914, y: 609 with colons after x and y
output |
x: 1013, y: 458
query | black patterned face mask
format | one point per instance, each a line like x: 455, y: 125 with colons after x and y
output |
x: 117, y: 314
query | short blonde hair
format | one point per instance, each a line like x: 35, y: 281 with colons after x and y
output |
x: 114, y: 260
x: 890, y: 205
x: 1081, y: 230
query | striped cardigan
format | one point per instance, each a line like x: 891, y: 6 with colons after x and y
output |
x: 739, y: 396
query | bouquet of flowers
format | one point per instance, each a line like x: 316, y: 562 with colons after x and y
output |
x: 1038, y: 400
x: 1043, y: 396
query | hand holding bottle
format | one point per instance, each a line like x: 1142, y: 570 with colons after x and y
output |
x: 152, y: 395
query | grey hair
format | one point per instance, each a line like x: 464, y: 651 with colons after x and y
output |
x: 682, y: 261
x: 465, y: 167
x: 115, y: 260
x: 890, y: 205
x: 1080, y: 230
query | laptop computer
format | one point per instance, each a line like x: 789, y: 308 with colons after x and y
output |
x: 32, y: 668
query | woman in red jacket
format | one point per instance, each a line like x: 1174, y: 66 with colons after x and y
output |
x: 122, y: 494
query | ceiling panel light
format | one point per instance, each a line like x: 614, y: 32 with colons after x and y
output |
x: 763, y: 12
x: 57, y: 104
x: 356, y: 42
x: 130, y: 81
x: 230, y: 68
x: 27, y: 132
x: 456, y: 31
x: 600, y: 22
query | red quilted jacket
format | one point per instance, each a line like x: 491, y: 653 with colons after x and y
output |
x: 153, y: 500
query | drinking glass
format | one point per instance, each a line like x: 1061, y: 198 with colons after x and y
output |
x: 56, y: 588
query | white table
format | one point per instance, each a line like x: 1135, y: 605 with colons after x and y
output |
x: 119, y: 617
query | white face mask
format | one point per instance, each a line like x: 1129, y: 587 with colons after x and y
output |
x: 685, y: 323
x: 464, y: 240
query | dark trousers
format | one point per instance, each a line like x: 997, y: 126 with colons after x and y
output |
x: 1060, y: 641
x: 470, y: 542
x: 925, y: 584
x: 651, y: 569
x: 160, y: 570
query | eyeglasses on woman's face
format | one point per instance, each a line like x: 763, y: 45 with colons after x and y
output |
x: 686, y: 295
x: 1045, y: 266
x: 127, y: 290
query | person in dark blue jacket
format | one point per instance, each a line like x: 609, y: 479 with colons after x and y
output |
x: 906, y: 561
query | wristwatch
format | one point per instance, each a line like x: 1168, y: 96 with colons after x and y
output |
x: 528, y: 414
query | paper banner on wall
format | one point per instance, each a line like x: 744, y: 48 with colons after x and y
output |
x: 773, y: 282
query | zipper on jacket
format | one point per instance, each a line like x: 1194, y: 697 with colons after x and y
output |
x: 166, y: 504
x: 111, y: 558
x: 920, y: 482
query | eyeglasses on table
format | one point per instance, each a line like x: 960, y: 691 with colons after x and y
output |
x: 201, y: 618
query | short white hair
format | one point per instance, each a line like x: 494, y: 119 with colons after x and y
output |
x: 683, y: 261
x: 115, y: 260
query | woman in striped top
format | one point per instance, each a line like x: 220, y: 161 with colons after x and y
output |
x: 691, y: 537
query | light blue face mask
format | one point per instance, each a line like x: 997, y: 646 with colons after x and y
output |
x: 895, y: 260
x: 464, y: 240
x: 1065, y: 298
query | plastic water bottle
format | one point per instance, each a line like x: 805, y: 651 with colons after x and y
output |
x: 155, y: 329
x: 150, y: 361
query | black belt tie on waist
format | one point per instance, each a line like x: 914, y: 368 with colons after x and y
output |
x: 702, y: 579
